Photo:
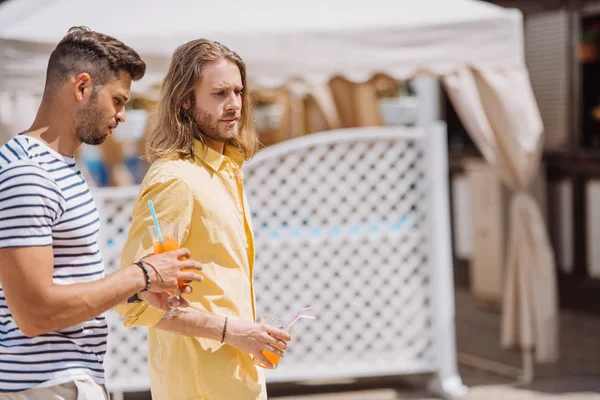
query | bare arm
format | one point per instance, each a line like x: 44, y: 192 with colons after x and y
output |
x: 39, y: 306
x: 247, y: 336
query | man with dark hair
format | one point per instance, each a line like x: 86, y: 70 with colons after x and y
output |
x: 105, y: 59
x: 100, y: 55
x: 52, y: 284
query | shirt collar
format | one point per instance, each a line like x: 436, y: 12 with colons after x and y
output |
x: 215, y: 159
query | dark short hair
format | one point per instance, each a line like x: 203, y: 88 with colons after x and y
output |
x: 100, y: 55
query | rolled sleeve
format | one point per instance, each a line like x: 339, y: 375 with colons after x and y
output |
x: 139, y: 314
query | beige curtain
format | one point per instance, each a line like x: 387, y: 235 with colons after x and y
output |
x: 500, y: 113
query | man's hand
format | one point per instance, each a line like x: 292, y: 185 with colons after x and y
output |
x: 161, y: 300
x: 255, y: 338
x: 166, y: 269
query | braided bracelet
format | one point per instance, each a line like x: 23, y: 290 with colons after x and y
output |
x: 224, y: 331
x: 147, y: 273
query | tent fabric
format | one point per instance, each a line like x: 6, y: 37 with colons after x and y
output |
x: 312, y: 39
x: 500, y: 114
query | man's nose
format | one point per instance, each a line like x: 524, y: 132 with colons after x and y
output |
x: 122, y: 115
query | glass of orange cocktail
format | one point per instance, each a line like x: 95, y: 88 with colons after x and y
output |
x: 170, y: 241
x: 278, y: 323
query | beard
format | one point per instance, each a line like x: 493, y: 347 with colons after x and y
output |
x: 88, y: 121
x: 209, y: 126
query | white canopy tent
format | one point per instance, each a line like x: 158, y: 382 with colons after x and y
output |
x: 474, y: 47
x: 278, y: 41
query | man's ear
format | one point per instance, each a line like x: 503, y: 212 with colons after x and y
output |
x: 187, y: 104
x: 83, y: 87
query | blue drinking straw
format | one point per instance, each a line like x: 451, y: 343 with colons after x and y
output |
x: 155, y: 219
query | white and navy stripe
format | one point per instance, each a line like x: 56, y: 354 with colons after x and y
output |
x: 44, y: 201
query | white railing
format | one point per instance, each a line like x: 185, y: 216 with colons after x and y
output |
x: 354, y: 221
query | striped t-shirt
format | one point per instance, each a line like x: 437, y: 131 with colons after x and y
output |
x: 44, y: 201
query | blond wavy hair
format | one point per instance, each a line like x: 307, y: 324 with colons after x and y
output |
x: 175, y: 130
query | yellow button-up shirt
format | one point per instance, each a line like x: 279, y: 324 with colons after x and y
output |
x: 205, y: 196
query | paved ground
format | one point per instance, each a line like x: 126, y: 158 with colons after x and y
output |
x: 505, y: 391
x: 479, y: 393
x: 575, y: 377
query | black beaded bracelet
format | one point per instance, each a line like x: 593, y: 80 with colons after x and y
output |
x: 147, y: 273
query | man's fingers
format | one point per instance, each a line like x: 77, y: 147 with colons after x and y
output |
x: 279, y: 344
x: 274, y: 350
x: 186, y: 289
x: 278, y: 333
x: 178, y: 301
x: 190, y: 277
x: 191, y: 264
x: 181, y: 302
x: 181, y: 253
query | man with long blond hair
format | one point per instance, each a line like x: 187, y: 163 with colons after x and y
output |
x: 203, y: 134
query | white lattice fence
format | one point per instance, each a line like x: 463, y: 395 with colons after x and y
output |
x: 355, y: 222
x: 340, y: 222
x: 126, y: 360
